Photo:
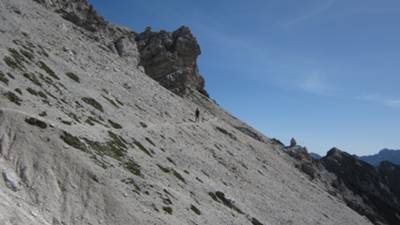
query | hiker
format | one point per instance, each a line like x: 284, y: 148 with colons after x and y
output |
x: 197, y: 115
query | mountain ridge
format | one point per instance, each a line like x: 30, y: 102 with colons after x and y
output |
x: 390, y: 155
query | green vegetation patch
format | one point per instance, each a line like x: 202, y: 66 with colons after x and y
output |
x: 73, y: 77
x: 133, y: 167
x: 92, y: 121
x: 112, y: 102
x: 27, y: 54
x: 3, y: 78
x: 167, y: 209
x: 195, y: 209
x: 150, y: 141
x: 48, y: 70
x: 115, y: 124
x: 18, y: 91
x: 32, y: 77
x: 115, y: 148
x: 254, y: 221
x: 10, y: 62
x: 179, y: 176
x: 13, y: 98
x: 36, y: 122
x: 73, y: 141
x: 142, y: 148
x: 223, y: 131
x: 220, y: 197
x: 92, y: 102
x: 174, y: 172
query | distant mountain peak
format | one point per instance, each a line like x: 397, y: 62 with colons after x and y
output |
x: 385, y: 154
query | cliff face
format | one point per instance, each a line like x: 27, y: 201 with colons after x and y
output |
x: 171, y: 59
x: 376, y: 187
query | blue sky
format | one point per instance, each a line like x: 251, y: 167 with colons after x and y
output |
x: 323, y: 71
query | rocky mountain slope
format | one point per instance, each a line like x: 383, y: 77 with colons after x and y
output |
x: 371, y: 191
x: 392, y: 156
x: 87, y: 137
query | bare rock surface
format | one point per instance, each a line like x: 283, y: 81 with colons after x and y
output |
x: 171, y: 59
x: 88, y: 138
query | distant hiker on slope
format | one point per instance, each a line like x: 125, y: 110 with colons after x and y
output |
x: 197, y: 115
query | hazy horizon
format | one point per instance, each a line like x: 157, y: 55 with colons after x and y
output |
x: 324, y: 72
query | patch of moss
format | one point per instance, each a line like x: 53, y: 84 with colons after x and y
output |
x: 32, y: 91
x: 143, y: 125
x: 220, y: 197
x: 91, y: 121
x: 115, y: 124
x: 142, y: 148
x: 92, y: 102
x: 174, y: 172
x: 73, y: 141
x: 110, y: 101
x: 13, y: 98
x: 222, y: 130
x: 254, y: 221
x: 171, y: 161
x: 48, y: 70
x: 179, y: 176
x: 151, y: 142
x: 3, y: 78
x: 119, y: 102
x: 167, y: 209
x: 164, y: 169
x: 195, y: 209
x: 10, y: 62
x: 133, y: 167
x: 43, y: 51
x: 115, y: 148
x: 27, y: 54
x: 18, y: 91
x: 10, y: 76
x: 32, y: 77
x: 36, y: 122
x: 46, y: 79
x: 73, y: 77
x: 131, y: 181
x: 74, y: 117
x: 43, y: 114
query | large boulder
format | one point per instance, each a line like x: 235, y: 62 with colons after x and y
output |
x: 171, y: 59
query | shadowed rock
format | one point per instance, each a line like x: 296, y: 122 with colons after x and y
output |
x: 171, y: 59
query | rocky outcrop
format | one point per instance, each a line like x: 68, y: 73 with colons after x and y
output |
x: 375, y: 189
x: 79, y: 12
x: 171, y: 59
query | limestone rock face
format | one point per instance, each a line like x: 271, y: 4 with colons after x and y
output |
x: 80, y: 12
x: 171, y: 59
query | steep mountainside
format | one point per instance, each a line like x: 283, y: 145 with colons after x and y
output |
x: 392, y: 156
x: 86, y: 137
x: 378, y: 198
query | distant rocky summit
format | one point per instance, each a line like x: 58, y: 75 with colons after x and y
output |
x: 392, y: 156
x: 171, y: 59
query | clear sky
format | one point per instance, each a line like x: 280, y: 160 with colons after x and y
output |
x: 323, y: 71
